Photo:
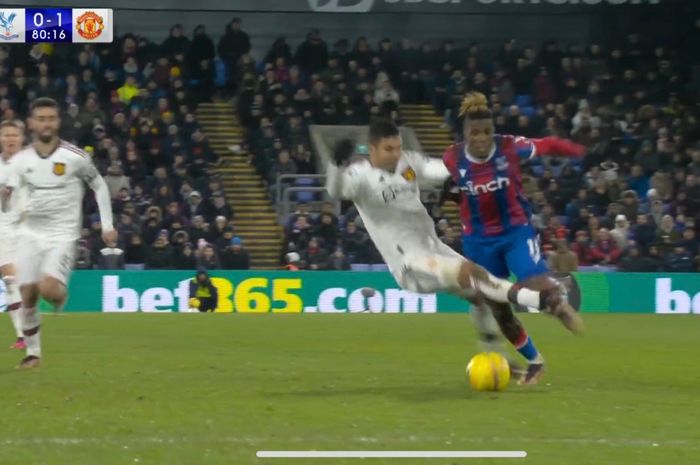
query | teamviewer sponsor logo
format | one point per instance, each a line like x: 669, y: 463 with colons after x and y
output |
x: 341, y: 6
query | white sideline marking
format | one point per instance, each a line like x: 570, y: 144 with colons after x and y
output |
x: 257, y: 440
x: 391, y: 454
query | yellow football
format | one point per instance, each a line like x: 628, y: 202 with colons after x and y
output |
x: 488, y: 371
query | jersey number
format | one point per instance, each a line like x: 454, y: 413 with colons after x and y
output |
x: 534, y: 246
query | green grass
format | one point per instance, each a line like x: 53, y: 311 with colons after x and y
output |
x: 212, y: 389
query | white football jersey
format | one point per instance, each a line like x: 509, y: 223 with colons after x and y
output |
x: 389, y: 203
x: 55, y: 186
x: 9, y: 218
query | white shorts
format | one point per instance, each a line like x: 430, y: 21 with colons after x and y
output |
x: 428, y: 267
x: 40, y: 258
x: 8, y: 247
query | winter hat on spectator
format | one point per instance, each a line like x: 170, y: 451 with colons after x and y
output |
x: 195, y: 194
x: 620, y: 218
x: 236, y: 241
x: 292, y: 257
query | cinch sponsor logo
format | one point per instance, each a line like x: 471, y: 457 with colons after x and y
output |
x: 264, y: 295
x: 492, y: 186
x: 676, y: 302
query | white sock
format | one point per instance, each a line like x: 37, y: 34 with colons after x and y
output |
x: 497, y: 289
x: 14, y: 302
x: 528, y: 297
x: 16, y: 317
x: 30, y: 323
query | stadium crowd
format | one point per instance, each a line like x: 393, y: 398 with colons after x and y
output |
x: 633, y: 203
x: 132, y: 107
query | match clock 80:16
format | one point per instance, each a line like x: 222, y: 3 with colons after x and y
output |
x: 49, y: 25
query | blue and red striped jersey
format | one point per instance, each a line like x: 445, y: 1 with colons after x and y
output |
x: 492, y: 198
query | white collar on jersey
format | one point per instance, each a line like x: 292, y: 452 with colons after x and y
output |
x: 479, y: 161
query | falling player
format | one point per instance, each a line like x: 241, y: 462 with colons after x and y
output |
x: 11, y: 140
x: 385, y: 190
x: 54, y: 173
x: 497, y: 232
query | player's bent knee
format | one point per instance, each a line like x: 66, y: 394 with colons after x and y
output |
x: 52, y: 290
x: 30, y: 294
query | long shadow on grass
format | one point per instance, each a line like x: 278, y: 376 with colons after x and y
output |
x: 411, y: 393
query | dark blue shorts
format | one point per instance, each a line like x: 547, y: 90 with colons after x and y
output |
x: 516, y: 251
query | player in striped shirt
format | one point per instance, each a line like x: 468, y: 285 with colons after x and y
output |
x: 495, y: 214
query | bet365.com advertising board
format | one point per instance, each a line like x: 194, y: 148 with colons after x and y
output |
x: 342, y: 292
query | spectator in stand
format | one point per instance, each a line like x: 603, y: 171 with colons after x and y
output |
x: 635, y: 262
x: 176, y: 43
x: 111, y: 257
x: 582, y: 249
x: 234, y: 44
x: 83, y: 260
x: 605, y: 251
x: 208, y: 259
x: 312, y: 54
x: 293, y: 261
x: 338, y: 261
x: 315, y: 257
x: 197, y: 207
x: 235, y: 257
x: 667, y: 232
x: 116, y: 181
x: 135, y: 253
x: 160, y: 255
x: 220, y: 207
x: 679, y: 261
x: 327, y: 231
x: 184, y: 257
x: 563, y: 260
x: 621, y: 232
x: 354, y: 242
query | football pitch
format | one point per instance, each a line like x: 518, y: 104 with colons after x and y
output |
x: 201, y: 389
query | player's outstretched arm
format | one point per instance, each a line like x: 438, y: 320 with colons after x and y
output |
x: 93, y: 179
x: 557, y: 146
x: 343, y: 181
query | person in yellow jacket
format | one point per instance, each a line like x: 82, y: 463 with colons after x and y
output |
x: 203, y: 294
x: 129, y: 90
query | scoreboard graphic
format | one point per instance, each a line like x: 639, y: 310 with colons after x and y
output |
x: 72, y: 25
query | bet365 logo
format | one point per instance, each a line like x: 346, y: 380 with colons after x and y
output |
x: 678, y: 301
x: 341, y: 6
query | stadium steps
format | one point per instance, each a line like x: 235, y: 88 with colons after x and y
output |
x: 255, y: 220
x: 434, y: 138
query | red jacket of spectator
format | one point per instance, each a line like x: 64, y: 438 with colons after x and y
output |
x: 603, y: 249
x: 582, y: 249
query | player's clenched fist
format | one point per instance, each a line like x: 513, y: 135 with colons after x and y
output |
x: 344, y: 149
x: 109, y: 236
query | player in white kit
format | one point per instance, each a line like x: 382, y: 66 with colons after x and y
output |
x: 11, y: 140
x: 54, y: 174
x: 385, y: 190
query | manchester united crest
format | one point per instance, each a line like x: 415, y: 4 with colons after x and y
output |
x: 59, y: 169
x: 90, y: 25
x: 409, y: 174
